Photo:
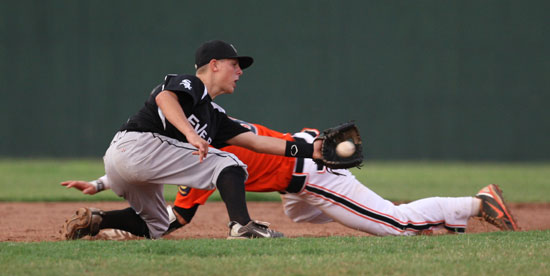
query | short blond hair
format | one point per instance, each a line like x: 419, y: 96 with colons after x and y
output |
x: 202, y: 69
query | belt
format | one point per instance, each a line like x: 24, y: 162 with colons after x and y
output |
x: 298, y: 181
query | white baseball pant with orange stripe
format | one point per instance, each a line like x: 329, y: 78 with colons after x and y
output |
x: 328, y: 197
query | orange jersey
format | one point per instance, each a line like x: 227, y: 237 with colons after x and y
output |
x: 266, y: 172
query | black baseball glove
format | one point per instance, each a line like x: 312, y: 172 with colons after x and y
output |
x: 331, y: 138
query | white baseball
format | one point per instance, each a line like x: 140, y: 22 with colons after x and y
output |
x: 345, y: 149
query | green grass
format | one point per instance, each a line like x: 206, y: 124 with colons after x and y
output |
x: 38, y: 180
x: 497, y: 253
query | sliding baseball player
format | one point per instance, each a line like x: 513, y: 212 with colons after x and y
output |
x: 312, y: 194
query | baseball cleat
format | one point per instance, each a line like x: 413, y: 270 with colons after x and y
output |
x: 254, y: 229
x: 83, y: 223
x: 494, y: 210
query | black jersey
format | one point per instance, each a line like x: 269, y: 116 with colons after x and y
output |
x: 209, y: 119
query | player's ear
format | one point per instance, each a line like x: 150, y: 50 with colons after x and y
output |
x: 214, y: 65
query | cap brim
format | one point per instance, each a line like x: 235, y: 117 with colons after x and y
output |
x: 245, y: 62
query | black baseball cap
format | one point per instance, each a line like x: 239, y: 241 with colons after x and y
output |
x: 217, y: 49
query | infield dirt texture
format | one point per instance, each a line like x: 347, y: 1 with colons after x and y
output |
x: 29, y: 222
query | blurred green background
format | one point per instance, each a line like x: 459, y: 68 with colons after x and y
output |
x: 439, y: 80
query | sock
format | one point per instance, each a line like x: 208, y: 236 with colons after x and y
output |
x: 126, y: 220
x: 174, y: 225
x: 476, y: 205
x: 231, y: 187
x: 186, y: 214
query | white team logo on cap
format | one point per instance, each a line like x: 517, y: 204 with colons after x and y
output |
x: 186, y: 83
x: 234, y: 49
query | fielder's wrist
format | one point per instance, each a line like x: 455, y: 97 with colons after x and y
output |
x: 98, y: 184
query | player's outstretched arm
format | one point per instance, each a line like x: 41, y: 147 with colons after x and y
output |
x: 84, y: 186
x: 276, y: 146
x: 89, y: 188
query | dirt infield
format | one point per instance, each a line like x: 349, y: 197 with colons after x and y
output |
x: 29, y: 222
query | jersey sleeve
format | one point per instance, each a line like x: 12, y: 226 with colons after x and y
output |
x: 185, y: 86
x: 228, y: 129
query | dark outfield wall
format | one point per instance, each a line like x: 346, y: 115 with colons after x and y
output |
x: 466, y: 80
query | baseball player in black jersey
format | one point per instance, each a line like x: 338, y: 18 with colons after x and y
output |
x: 167, y: 142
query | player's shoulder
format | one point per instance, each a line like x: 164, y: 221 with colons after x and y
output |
x: 180, y: 76
x: 311, y: 131
x: 183, y: 82
x: 308, y: 134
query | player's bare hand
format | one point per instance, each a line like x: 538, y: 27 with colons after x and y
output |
x: 85, y: 187
x: 200, y: 144
x: 317, y: 149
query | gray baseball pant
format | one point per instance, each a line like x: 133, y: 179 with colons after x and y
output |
x: 138, y: 164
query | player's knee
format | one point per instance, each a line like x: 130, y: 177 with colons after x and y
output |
x: 233, y: 175
x: 234, y: 171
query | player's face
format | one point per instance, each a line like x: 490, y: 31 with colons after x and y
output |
x: 229, y: 73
